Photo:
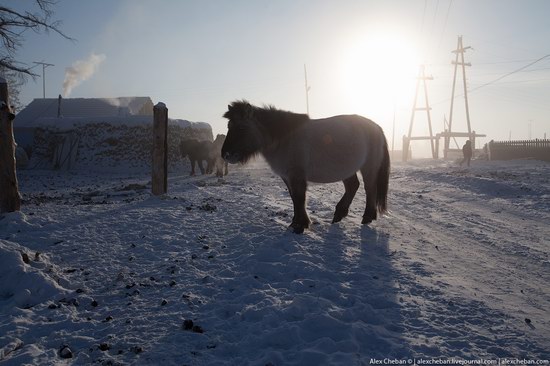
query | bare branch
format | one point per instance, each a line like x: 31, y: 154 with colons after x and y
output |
x: 12, y: 26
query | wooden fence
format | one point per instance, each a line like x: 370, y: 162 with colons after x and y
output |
x: 519, y: 149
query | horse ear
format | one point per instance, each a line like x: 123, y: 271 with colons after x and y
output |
x: 229, y: 107
x: 249, y: 110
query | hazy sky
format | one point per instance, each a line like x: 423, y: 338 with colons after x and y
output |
x: 362, y: 57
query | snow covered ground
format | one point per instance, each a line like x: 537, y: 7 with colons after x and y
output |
x: 96, y: 268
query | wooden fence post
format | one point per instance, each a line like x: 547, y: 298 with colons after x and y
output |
x: 10, y: 200
x: 159, y: 181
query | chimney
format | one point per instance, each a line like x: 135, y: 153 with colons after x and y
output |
x: 59, y: 106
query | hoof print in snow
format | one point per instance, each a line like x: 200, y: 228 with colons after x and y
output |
x: 133, y: 293
x: 164, y: 302
x: 107, y: 319
x: 52, y: 306
x: 25, y: 258
x: 172, y: 283
x: 187, y: 324
x: 197, y: 329
x: 94, y: 303
x: 205, y: 247
x: 65, y: 352
x: 67, y: 302
x: 136, y: 349
x: 527, y: 321
x: 208, y: 207
x: 104, y: 347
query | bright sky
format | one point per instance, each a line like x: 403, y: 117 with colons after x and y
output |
x: 362, y: 57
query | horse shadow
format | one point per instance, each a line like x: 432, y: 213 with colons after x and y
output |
x: 372, y: 282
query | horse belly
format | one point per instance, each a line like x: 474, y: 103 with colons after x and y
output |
x: 333, y: 158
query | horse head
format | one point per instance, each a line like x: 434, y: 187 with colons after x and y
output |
x: 244, y: 138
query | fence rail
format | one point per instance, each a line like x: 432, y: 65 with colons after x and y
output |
x: 519, y: 149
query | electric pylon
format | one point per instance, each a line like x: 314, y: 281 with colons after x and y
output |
x: 407, y: 139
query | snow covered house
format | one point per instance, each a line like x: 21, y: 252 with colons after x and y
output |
x: 96, y: 132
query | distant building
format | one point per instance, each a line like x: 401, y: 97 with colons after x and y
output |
x: 73, y: 132
x: 40, y: 112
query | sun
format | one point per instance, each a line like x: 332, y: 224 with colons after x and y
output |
x: 379, y: 73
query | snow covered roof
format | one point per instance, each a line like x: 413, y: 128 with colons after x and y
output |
x: 84, y: 108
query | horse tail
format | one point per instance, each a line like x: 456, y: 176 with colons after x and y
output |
x: 383, y: 179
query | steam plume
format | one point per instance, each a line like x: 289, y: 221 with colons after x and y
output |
x: 80, y: 71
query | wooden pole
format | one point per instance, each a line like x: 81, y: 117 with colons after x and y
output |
x: 424, y: 78
x: 10, y: 200
x: 159, y: 180
x: 421, y: 78
x: 459, y: 52
x: 464, y: 84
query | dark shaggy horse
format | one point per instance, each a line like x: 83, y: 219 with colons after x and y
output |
x: 198, y: 151
x: 302, y: 150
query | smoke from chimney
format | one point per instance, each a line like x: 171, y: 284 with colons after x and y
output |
x: 80, y: 71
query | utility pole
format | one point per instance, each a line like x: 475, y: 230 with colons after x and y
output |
x: 307, y: 89
x: 407, y: 139
x: 44, y: 65
x: 460, y: 49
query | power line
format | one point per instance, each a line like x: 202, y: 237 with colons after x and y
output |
x: 444, y: 25
x: 510, y: 73
x: 497, y: 79
x: 505, y: 62
x: 423, y: 16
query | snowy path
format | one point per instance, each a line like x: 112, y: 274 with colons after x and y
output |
x: 453, y: 271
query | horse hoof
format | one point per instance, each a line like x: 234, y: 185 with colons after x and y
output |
x: 366, y: 221
x: 338, y: 217
x: 296, y: 228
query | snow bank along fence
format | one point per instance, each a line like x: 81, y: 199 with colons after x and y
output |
x: 519, y: 149
x: 10, y: 200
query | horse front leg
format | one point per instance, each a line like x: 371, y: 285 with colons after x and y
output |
x: 297, y: 189
x: 192, y: 166
x: 199, y: 162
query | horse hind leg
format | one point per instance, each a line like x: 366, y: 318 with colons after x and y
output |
x: 201, y: 167
x: 351, y: 185
x: 369, y: 180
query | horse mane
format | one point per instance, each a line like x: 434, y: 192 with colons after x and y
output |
x: 276, y: 123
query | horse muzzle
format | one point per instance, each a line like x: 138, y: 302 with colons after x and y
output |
x: 232, y: 158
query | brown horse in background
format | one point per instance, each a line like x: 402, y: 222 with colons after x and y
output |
x: 302, y: 150
x: 198, y: 151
